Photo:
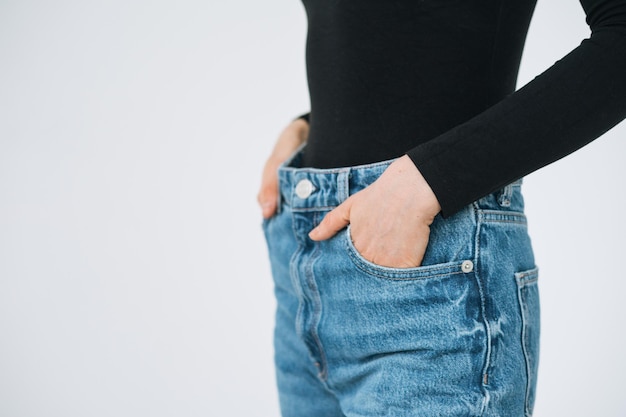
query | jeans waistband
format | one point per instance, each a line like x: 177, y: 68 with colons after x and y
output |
x: 316, y: 188
x: 310, y: 189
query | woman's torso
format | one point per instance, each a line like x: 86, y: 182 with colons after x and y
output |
x: 387, y: 75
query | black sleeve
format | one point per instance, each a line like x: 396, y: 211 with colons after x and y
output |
x: 573, y: 102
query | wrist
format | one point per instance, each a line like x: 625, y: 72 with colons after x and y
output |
x: 299, y: 130
x: 428, y: 201
x: 300, y: 124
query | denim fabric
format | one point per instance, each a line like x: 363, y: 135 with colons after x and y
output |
x: 457, y: 336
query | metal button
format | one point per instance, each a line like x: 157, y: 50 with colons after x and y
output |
x: 304, y: 188
x: 467, y: 266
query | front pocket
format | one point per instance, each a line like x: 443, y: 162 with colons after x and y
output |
x: 528, y: 295
x: 437, y: 270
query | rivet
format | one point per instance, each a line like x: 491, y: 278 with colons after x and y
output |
x: 467, y: 266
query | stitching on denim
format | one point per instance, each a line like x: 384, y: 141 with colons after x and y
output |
x: 521, y: 283
x: 411, y: 274
x: 399, y: 274
x: 323, y: 373
x: 510, y: 217
x: 523, y: 280
x: 527, y: 277
x: 311, y: 209
x: 293, y: 275
x: 390, y: 276
x: 479, y: 219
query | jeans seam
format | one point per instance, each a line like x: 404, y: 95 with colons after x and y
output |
x: 501, y: 216
x: 478, y: 215
x: 312, y: 209
x: 524, y: 350
x: 302, y: 329
x: 323, y: 372
x: 524, y: 279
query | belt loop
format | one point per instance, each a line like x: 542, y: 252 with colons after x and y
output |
x: 279, y: 201
x: 504, y: 199
x: 343, y: 185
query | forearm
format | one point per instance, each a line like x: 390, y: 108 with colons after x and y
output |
x: 572, y: 103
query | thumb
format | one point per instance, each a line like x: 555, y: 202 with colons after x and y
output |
x: 333, y: 222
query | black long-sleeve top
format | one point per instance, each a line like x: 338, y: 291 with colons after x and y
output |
x: 435, y: 79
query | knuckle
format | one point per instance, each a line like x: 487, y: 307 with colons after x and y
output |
x: 329, y: 218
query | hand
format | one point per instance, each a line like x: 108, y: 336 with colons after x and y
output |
x: 390, y: 220
x: 294, y: 135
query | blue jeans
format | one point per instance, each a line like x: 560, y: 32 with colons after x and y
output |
x: 457, y: 336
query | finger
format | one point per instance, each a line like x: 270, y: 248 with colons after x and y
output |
x: 268, y: 208
x: 267, y: 198
x: 268, y: 194
x: 333, y: 222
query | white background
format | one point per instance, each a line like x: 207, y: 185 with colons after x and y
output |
x: 133, y: 274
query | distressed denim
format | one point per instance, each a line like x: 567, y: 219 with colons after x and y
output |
x: 456, y: 336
